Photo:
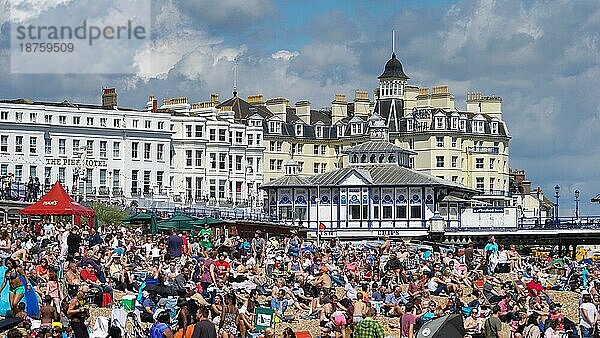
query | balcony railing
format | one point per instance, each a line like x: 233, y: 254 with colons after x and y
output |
x: 117, y: 191
x: 136, y: 192
x: 483, y: 150
x: 502, y: 193
x: 103, y: 191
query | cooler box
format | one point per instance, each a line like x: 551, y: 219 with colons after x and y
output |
x: 128, y: 302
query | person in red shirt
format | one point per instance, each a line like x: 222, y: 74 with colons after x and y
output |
x: 535, y: 288
x: 88, y: 275
x: 185, y: 244
x: 42, y: 269
x: 222, y: 267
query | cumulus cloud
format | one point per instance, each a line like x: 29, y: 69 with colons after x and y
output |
x: 284, y: 55
x: 23, y: 10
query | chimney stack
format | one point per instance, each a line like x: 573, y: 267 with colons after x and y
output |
x: 256, y: 100
x: 303, y: 110
x: 361, y: 103
x: 339, y: 108
x: 527, y: 187
x: 109, y: 98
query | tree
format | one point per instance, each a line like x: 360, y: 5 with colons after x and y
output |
x: 107, y: 214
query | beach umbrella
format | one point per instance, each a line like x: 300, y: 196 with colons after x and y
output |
x: 450, y: 326
x: 181, y: 222
x: 9, y: 323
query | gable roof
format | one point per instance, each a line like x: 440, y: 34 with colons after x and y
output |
x: 243, y: 110
x: 57, y: 202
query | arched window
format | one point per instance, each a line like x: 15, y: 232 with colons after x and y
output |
x: 354, y: 158
x: 391, y: 159
x: 373, y: 158
x: 382, y: 158
x: 363, y: 159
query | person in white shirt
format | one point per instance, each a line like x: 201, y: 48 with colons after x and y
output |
x: 155, y: 252
x: 588, y: 315
x: 148, y: 247
x: 63, y: 243
x: 503, y: 261
x: 49, y: 229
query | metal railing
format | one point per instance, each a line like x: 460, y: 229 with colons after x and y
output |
x: 483, y: 150
x: 220, y: 213
x: 532, y: 223
x: 18, y: 191
x: 492, y: 192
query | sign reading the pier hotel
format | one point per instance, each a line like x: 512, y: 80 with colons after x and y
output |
x: 75, y: 162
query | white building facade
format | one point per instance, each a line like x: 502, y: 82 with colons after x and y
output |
x: 96, y: 152
x: 216, y: 160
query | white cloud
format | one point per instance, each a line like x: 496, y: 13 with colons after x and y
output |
x: 23, y: 10
x: 284, y: 55
x: 161, y: 55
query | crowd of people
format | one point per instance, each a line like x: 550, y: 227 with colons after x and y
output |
x: 198, y: 285
x: 13, y: 189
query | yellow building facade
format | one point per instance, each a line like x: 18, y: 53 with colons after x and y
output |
x: 467, y: 146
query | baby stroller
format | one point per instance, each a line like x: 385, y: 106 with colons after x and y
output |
x: 572, y: 281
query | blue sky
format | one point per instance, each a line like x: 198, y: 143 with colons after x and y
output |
x: 542, y: 57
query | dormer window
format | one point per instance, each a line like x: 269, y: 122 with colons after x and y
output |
x: 462, y: 125
x: 439, y: 123
x: 340, y: 130
x: 298, y: 129
x: 494, y: 127
x: 409, y: 125
x: 478, y: 126
x: 319, y: 131
x: 454, y: 123
x: 356, y: 128
x: 275, y: 127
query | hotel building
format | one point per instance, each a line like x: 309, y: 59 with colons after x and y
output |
x: 469, y: 147
x: 95, y: 151
x: 216, y: 159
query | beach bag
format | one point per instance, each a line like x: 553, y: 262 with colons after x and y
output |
x: 106, y: 299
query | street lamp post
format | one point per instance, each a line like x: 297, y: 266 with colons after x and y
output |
x: 577, y: 204
x: 539, y: 207
x: 318, y: 201
x: 557, y: 196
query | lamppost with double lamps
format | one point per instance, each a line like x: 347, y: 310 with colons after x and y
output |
x: 557, y: 195
x: 577, y: 204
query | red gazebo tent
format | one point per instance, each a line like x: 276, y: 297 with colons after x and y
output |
x: 58, y: 202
